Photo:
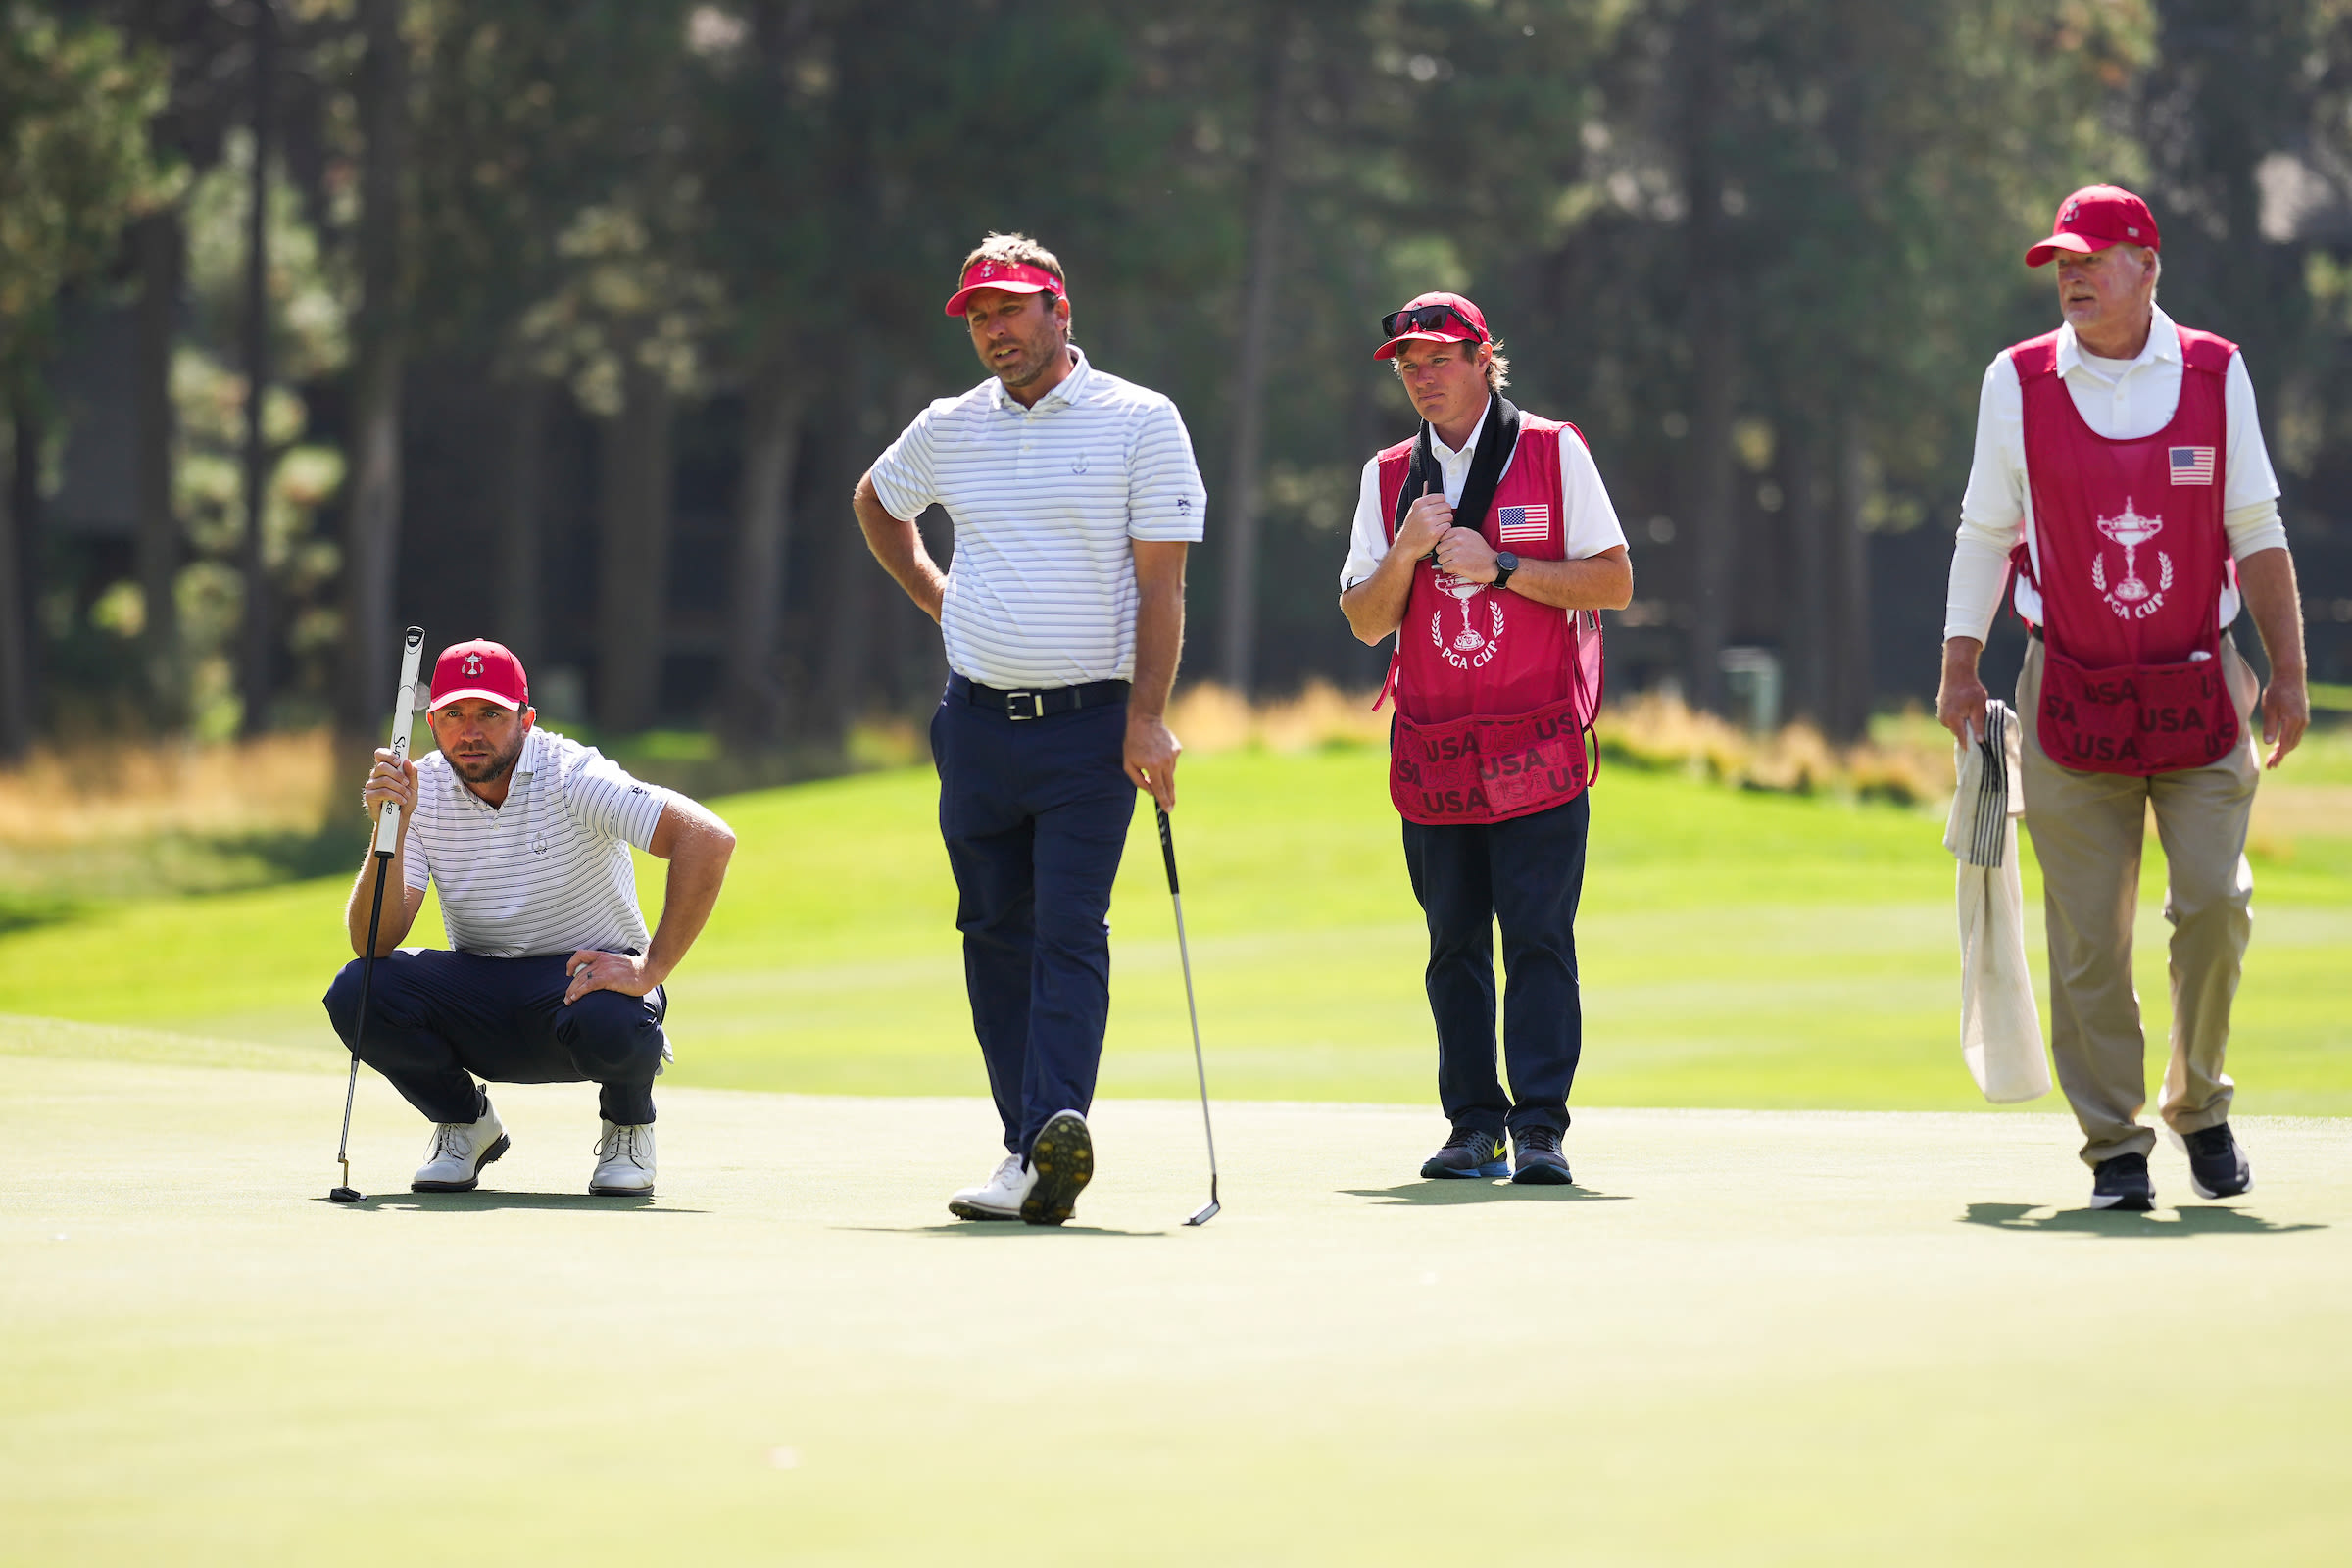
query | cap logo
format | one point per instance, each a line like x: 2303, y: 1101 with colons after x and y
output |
x: 473, y: 664
x: 2134, y: 233
x: 2074, y: 205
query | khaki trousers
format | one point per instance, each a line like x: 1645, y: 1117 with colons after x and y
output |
x: 2088, y: 829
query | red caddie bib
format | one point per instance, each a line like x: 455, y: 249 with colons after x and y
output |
x: 1495, y: 692
x: 2133, y: 557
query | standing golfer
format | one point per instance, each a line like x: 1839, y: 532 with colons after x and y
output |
x: 549, y: 976
x: 2123, y: 450
x: 1483, y: 545
x: 1073, y: 496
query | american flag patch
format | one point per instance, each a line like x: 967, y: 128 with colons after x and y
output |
x: 1524, y: 525
x: 2192, y: 464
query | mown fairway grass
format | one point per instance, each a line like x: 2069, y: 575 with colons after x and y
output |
x: 1738, y: 948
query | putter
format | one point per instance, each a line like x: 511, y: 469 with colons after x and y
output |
x: 1167, y: 853
x: 387, y: 839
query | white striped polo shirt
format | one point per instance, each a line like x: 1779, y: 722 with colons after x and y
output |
x: 1040, y: 590
x: 547, y: 872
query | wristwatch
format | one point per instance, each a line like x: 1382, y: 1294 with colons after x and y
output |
x: 1504, y: 564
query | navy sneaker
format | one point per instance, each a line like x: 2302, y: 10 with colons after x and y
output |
x: 2123, y: 1183
x: 1540, y: 1162
x: 1470, y: 1151
x: 2217, y: 1167
x: 1063, y: 1158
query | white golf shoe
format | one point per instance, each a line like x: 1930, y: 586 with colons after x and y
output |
x: 624, y: 1163
x: 998, y: 1198
x: 459, y: 1150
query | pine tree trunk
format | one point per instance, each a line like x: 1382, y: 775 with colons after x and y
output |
x: 15, y: 624
x: 257, y: 642
x: 1260, y: 276
x: 1808, y: 637
x: 159, y: 247
x: 1855, y: 686
x: 371, y: 550
x: 632, y: 587
x: 522, y: 519
x: 771, y: 448
x: 1713, y: 361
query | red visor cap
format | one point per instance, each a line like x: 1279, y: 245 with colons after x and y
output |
x: 1450, y: 332
x: 479, y: 668
x: 2093, y: 218
x: 1013, y: 277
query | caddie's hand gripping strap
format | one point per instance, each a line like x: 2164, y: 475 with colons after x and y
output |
x: 1496, y: 443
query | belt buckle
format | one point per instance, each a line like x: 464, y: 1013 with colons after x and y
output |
x: 1014, y: 700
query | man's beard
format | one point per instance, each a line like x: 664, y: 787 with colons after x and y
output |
x: 1034, y: 361
x: 497, y: 768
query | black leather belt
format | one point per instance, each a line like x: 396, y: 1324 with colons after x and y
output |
x: 1038, y: 702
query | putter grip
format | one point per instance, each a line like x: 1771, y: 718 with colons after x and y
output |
x: 403, y: 715
x: 1167, y: 848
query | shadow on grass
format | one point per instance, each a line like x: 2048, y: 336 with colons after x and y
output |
x: 477, y: 1203
x: 2118, y: 1223
x: 1444, y: 1193
x: 994, y: 1229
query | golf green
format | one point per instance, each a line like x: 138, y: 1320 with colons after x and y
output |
x: 1766, y: 1338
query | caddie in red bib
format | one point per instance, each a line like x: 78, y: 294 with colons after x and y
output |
x: 1486, y: 545
x: 2120, y: 481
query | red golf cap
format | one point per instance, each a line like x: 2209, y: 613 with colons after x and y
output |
x: 1448, y: 332
x: 2093, y: 218
x: 479, y: 668
x: 1013, y: 277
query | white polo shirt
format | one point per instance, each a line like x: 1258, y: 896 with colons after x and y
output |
x: 548, y: 871
x: 2123, y: 400
x: 1040, y: 590
x: 1589, y: 527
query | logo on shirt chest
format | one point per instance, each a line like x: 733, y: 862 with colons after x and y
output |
x: 2131, y: 598
x: 1078, y: 464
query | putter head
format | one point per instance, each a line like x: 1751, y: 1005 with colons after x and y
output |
x: 1207, y: 1214
x: 343, y: 1195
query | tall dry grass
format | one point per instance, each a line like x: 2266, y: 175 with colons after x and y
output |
x: 101, y: 794
x: 1907, y: 763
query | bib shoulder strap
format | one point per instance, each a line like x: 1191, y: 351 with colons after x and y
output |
x: 1395, y: 468
x: 2035, y: 357
x: 2206, y: 351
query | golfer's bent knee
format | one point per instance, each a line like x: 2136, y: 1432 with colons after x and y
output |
x: 613, y: 1035
x: 343, y: 999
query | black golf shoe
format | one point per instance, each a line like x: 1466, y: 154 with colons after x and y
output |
x: 1063, y: 1159
x: 1471, y: 1152
x: 2217, y: 1167
x: 1540, y: 1162
x: 2123, y: 1183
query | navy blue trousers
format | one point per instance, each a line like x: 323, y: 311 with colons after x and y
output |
x: 1035, y: 814
x: 1525, y: 874
x: 437, y: 1020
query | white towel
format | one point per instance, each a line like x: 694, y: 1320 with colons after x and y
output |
x: 2001, y: 1030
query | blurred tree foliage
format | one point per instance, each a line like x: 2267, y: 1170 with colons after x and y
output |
x: 658, y: 278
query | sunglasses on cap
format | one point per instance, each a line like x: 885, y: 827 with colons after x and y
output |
x: 1427, y: 319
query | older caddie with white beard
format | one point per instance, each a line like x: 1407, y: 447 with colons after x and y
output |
x: 550, y: 976
x: 2120, y: 471
x: 1074, y: 497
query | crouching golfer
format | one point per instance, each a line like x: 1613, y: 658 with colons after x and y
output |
x: 1478, y: 544
x: 1074, y: 495
x: 549, y: 976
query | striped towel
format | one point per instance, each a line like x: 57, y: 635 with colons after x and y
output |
x: 2000, y: 1028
